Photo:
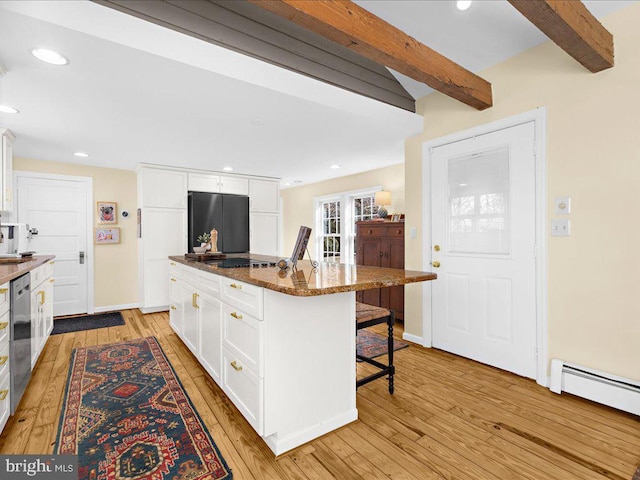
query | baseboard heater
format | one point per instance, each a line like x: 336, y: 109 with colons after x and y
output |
x: 600, y: 387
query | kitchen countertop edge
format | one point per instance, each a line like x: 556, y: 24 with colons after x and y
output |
x: 11, y: 271
x: 239, y: 274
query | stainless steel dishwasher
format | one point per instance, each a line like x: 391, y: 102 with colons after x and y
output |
x: 20, y: 340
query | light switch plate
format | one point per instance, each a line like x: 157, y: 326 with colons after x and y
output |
x: 412, y: 232
x: 560, y: 227
x: 562, y: 205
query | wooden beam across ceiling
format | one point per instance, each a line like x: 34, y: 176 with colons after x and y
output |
x: 573, y: 28
x: 353, y: 27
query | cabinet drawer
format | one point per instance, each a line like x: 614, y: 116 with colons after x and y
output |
x: 395, y: 231
x: 37, y: 276
x: 367, y: 231
x: 4, y: 298
x: 5, y: 399
x: 242, y: 335
x: 209, y: 283
x: 244, y: 388
x: 4, y: 330
x: 48, y: 269
x: 242, y: 296
x: 188, y: 274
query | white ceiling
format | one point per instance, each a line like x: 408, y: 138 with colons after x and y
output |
x: 138, y: 93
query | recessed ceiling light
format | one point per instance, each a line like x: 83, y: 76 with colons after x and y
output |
x: 227, y: 169
x: 335, y: 166
x: 286, y: 184
x: 463, y: 184
x: 8, y: 109
x: 463, y: 5
x: 81, y: 154
x: 49, y: 56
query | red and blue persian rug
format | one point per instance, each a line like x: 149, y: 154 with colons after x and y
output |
x: 127, y: 416
x: 371, y: 344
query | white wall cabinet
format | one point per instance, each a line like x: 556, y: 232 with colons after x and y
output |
x: 265, y: 233
x: 204, y: 182
x: 6, y: 182
x: 264, y: 196
x: 236, y: 185
x: 162, y: 188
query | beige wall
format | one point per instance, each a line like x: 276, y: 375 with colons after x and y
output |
x: 298, y: 202
x: 115, y: 266
x: 593, y: 156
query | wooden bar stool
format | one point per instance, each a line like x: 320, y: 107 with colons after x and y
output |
x: 368, y: 316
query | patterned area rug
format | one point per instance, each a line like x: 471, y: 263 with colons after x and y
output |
x: 87, y: 322
x: 126, y: 416
x: 636, y: 476
x: 371, y: 344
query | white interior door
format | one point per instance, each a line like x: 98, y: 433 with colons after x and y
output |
x: 57, y: 208
x: 483, y: 248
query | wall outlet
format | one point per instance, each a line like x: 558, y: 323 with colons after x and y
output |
x: 560, y: 227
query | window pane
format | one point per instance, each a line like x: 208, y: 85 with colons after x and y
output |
x: 479, y: 203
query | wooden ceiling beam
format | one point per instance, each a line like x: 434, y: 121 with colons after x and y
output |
x: 573, y: 28
x: 351, y: 26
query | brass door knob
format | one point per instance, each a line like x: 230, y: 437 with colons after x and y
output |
x: 436, y: 248
x: 435, y: 264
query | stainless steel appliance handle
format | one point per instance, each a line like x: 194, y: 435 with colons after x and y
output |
x: 81, y: 258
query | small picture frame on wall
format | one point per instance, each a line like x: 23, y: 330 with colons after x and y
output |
x: 107, y: 213
x: 396, y: 217
x: 106, y: 236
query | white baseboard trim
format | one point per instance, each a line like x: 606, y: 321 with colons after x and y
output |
x: 113, y: 308
x: 282, y: 445
x: 161, y: 308
x: 413, y: 338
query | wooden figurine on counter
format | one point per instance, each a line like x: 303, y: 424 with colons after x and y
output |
x: 214, y: 241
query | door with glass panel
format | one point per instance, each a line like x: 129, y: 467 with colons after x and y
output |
x: 483, y: 241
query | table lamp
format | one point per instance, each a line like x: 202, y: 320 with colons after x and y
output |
x: 382, y: 198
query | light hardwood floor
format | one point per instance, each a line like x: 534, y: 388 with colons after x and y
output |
x: 449, y: 418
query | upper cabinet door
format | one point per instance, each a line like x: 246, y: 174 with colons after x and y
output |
x: 164, y: 188
x: 264, y: 196
x: 203, y: 182
x: 237, y: 185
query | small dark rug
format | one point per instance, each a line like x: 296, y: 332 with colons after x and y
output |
x: 87, y: 322
x: 126, y: 415
x: 371, y: 344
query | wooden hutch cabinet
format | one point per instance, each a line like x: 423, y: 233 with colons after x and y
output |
x: 381, y: 244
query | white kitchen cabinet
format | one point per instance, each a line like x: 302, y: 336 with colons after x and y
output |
x: 265, y: 233
x: 41, y: 308
x: 189, y: 299
x: 6, y: 182
x: 162, y: 188
x: 209, y: 323
x: 236, y: 185
x: 163, y: 234
x: 175, y: 305
x: 264, y: 195
x: 5, y: 398
x: 244, y: 388
x: 204, y: 182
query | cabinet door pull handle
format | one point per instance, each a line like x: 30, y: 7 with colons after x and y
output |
x: 3, y: 394
x: 235, y: 285
x: 51, y: 262
x: 3, y: 290
x: 4, y: 359
x: 4, y: 325
x: 173, y: 307
x: 173, y: 279
x: 41, y: 292
x: 52, y: 280
x: 194, y: 300
x: 236, y: 367
x: 236, y: 315
x: 370, y: 231
x: 381, y: 253
x: 173, y: 264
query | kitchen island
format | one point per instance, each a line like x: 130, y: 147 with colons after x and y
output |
x: 280, y: 344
